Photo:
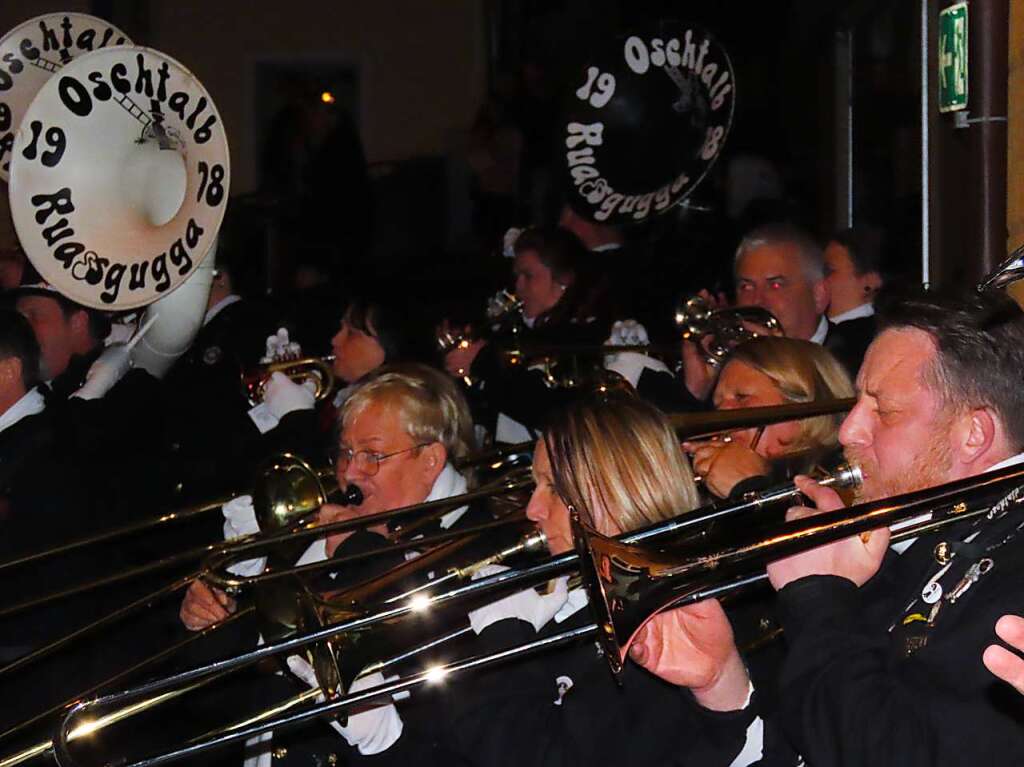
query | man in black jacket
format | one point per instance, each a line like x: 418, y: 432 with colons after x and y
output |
x: 781, y: 268
x: 884, y: 662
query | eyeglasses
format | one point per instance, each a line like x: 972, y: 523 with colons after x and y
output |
x: 366, y: 461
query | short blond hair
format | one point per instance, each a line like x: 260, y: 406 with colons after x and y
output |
x: 615, y: 454
x: 803, y: 372
x: 430, y: 405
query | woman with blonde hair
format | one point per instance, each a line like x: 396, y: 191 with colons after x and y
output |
x: 615, y: 459
x: 763, y: 372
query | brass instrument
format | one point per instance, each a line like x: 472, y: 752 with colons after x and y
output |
x: 723, y: 329
x: 688, y: 426
x: 318, y: 370
x: 414, y: 602
x: 292, y: 490
x: 503, y: 309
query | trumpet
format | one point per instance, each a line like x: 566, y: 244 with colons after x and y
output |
x: 317, y: 370
x: 723, y: 328
x: 693, y: 317
x: 503, y: 309
x: 81, y: 722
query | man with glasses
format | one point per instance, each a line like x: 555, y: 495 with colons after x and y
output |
x: 402, y: 433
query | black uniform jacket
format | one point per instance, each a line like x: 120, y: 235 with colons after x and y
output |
x: 851, y: 694
x: 848, y: 341
x: 559, y: 707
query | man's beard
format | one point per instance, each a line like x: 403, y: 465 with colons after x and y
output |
x: 929, y: 468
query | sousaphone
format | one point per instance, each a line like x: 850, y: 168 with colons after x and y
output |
x: 645, y: 121
x: 119, y: 177
x: 32, y: 52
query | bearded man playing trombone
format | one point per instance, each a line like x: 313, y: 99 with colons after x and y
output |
x: 885, y: 644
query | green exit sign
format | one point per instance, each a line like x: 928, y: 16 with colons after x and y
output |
x: 953, y: 58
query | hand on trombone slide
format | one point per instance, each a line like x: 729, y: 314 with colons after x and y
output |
x: 856, y: 558
x: 693, y: 647
x: 205, y: 605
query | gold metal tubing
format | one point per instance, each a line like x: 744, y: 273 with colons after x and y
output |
x: 232, y: 583
x: 252, y: 545
x: 178, y: 515
x: 554, y: 350
x: 391, y: 611
x: 630, y: 583
x: 708, y: 424
x: 248, y: 549
x: 319, y: 370
x: 949, y: 504
x: 700, y: 425
x: 44, y: 747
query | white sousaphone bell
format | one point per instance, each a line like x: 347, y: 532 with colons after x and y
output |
x: 32, y: 52
x: 119, y: 178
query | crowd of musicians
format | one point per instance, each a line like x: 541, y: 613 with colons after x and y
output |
x: 863, y: 651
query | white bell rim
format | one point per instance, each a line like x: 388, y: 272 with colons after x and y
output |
x: 141, y: 218
x: 33, y: 71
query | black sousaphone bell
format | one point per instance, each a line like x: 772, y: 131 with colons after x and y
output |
x: 644, y: 121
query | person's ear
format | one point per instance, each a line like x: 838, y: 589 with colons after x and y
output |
x: 434, y: 457
x: 79, y: 322
x: 974, y: 433
x: 10, y: 371
x: 872, y: 282
x: 822, y: 295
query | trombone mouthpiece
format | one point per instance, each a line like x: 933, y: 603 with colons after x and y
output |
x: 534, y: 541
x: 846, y: 475
x: 351, y: 496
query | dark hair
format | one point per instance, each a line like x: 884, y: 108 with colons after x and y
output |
x: 980, y: 342
x: 386, y: 321
x: 564, y: 254
x: 558, y: 249
x: 864, y: 244
x: 18, y: 340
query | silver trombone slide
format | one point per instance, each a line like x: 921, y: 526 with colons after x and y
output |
x: 742, y: 565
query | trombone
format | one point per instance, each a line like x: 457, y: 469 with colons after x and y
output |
x: 628, y: 585
x: 263, y: 486
x: 409, y: 603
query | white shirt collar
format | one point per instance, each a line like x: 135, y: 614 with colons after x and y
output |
x: 821, y: 332
x: 448, y: 483
x: 29, y: 404
x: 220, y: 306
x: 864, y: 310
x: 1013, y: 460
x: 902, y: 546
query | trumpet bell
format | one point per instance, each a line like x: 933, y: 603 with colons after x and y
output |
x: 318, y: 370
x: 724, y: 328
